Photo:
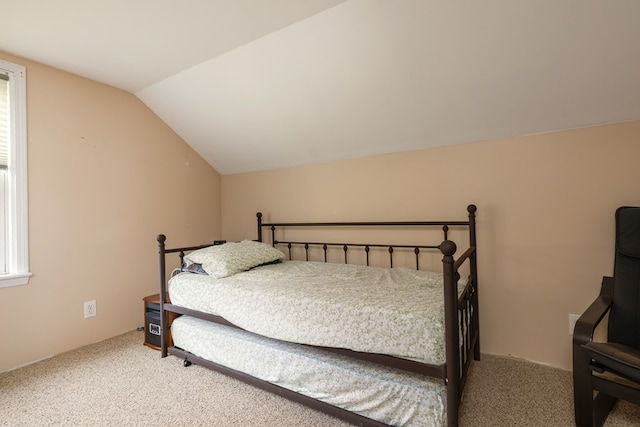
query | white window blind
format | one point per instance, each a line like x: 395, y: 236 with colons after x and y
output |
x: 4, y: 121
x: 13, y: 167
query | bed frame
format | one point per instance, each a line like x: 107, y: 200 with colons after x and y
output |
x: 462, y: 337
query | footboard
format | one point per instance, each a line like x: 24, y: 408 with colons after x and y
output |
x: 462, y: 323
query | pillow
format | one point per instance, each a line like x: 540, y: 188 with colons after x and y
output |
x: 231, y: 258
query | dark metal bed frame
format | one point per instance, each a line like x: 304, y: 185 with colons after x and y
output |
x: 461, y: 312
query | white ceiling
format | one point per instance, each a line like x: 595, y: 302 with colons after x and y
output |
x: 263, y: 84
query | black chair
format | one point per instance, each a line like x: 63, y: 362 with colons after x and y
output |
x: 612, y: 368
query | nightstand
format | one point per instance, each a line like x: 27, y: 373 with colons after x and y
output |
x: 152, y: 327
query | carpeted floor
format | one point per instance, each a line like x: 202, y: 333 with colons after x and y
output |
x: 119, y: 382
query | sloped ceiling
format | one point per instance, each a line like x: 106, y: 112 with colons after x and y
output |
x: 263, y: 84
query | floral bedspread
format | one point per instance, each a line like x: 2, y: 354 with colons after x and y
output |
x: 399, y: 311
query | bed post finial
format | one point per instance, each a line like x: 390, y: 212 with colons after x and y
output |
x: 472, y: 224
x: 448, y: 248
x: 161, y: 238
x: 259, y: 218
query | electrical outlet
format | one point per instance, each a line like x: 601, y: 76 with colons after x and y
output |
x: 90, y: 309
x: 573, y: 318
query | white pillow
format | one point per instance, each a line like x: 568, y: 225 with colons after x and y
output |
x: 231, y: 258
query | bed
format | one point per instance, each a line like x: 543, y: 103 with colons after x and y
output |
x: 317, y: 322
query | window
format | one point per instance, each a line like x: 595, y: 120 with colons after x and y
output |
x: 14, y: 250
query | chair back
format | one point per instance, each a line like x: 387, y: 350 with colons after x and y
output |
x: 624, y: 320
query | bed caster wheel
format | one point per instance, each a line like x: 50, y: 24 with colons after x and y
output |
x: 186, y: 363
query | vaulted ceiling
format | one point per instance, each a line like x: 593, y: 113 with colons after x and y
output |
x: 263, y: 84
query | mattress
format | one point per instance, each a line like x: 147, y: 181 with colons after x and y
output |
x: 399, y: 311
x: 392, y: 396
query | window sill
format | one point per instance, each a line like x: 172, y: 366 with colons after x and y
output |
x: 14, y: 279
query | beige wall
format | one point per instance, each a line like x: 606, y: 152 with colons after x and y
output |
x: 102, y: 168
x: 102, y: 171
x: 545, y: 217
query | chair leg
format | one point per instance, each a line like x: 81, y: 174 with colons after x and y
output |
x: 582, y: 389
x: 589, y: 411
x: 583, y: 404
x: 602, y: 405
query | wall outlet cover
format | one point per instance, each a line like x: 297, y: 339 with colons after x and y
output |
x: 90, y: 309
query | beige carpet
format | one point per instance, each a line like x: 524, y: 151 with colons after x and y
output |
x: 119, y: 382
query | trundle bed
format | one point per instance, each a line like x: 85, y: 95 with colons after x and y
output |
x: 374, y: 346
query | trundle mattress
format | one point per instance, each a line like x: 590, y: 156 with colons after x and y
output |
x: 385, y: 394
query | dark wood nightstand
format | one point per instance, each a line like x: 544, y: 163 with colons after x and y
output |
x: 152, y: 327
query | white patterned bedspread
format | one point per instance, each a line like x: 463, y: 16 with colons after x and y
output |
x: 394, y: 397
x: 396, y: 311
